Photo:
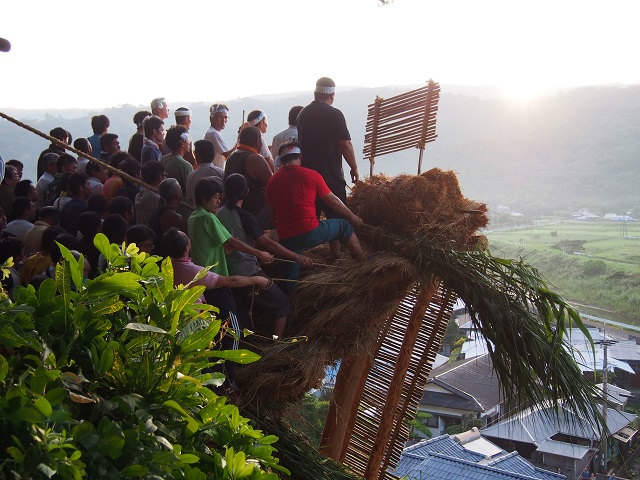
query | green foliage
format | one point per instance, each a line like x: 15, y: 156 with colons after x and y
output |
x: 592, y: 268
x: 570, y: 246
x: 616, y: 291
x: 308, y: 416
x: 467, y: 422
x: 418, y: 424
x: 107, y: 380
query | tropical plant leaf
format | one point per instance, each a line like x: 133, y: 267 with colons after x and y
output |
x: 116, y: 283
x: 239, y: 356
x: 143, y: 327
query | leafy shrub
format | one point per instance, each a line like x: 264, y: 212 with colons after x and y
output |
x: 592, y: 268
x: 105, y: 378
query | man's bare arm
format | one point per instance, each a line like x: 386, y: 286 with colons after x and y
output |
x: 347, y: 151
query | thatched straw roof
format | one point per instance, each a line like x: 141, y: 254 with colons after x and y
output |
x: 342, y: 308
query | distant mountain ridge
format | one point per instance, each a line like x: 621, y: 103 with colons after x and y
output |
x: 576, y: 149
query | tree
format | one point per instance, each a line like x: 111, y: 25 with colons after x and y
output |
x: 419, y: 424
x: 107, y: 379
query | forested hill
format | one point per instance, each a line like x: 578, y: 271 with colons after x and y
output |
x: 576, y: 149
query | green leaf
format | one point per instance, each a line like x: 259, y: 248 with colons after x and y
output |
x: 116, y: 283
x: 241, y: 356
x: 103, y: 245
x: 107, y: 358
x: 184, y: 298
x: 75, y: 266
x: 134, y: 471
x: 4, y: 368
x: 43, y: 406
x: 47, y: 290
x: 9, y: 337
x: 63, y: 281
x: 107, y: 307
x: 143, y: 327
x: 31, y: 415
x: 192, y: 425
x: 189, y: 458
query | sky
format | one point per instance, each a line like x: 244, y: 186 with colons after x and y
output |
x: 86, y: 54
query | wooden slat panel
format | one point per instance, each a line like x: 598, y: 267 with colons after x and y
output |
x: 376, y: 386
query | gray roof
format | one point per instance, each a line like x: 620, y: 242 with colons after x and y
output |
x: 563, y: 449
x: 472, y: 378
x: 447, y: 400
x: 443, y: 457
x: 536, y: 425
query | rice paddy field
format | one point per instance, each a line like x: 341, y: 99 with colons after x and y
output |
x: 595, y: 265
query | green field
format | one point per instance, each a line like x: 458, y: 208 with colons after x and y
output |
x: 595, y: 265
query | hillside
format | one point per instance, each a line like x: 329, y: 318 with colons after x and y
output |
x: 576, y: 149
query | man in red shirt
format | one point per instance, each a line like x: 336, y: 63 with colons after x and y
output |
x: 291, y: 201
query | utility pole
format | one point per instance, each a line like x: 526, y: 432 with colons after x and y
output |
x: 605, y: 369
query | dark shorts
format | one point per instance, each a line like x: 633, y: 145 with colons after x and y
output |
x: 328, y: 230
x: 272, y: 301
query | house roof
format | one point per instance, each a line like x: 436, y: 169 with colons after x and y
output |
x: 537, y: 425
x: 443, y: 457
x: 513, y: 462
x: 447, y: 400
x: 563, y: 449
x: 471, y: 379
x: 616, y: 394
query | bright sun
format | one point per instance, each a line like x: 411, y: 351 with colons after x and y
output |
x: 523, y: 91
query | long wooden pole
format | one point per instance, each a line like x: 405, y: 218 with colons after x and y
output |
x: 389, y: 414
x: 63, y: 145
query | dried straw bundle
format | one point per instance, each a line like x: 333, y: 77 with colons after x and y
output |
x: 430, y: 204
x: 337, y: 310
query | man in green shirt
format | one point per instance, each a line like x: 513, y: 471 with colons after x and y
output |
x: 209, y: 239
x: 179, y: 141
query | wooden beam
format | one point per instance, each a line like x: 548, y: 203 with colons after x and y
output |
x: 389, y: 414
x: 344, y: 404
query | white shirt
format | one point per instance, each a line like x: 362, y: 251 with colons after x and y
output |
x: 215, y: 137
x: 41, y: 186
x: 95, y: 185
x: 264, y: 149
x: 288, y: 135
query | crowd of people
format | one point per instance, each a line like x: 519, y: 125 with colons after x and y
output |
x: 244, y: 207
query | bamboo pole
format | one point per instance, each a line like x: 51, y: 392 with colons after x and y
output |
x: 376, y: 116
x: 389, y: 415
x: 346, y: 397
x: 440, y: 325
x: 63, y: 145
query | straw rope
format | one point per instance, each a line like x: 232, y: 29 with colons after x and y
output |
x: 63, y: 145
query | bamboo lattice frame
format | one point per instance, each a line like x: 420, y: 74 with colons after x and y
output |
x: 405, y: 121
x: 394, y: 383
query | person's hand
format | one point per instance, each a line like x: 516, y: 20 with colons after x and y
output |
x: 304, y: 261
x: 355, y: 176
x: 265, y: 257
x: 262, y: 282
x: 356, y: 220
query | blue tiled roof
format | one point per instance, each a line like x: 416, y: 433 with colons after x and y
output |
x: 443, y: 458
x: 515, y: 463
x: 436, y: 466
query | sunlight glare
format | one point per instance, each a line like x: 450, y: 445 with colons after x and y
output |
x: 523, y: 91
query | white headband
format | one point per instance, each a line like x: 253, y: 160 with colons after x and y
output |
x: 186, y: 137
x: 256, y: 120
x: 216, y: 108
x: 320, y: 89
x: 182, y: 113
